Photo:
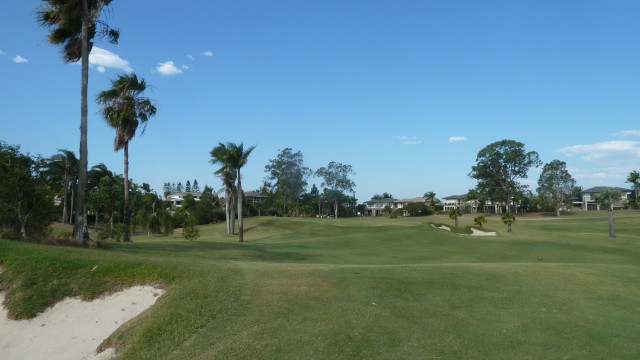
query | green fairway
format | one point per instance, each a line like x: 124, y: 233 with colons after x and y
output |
x: 361, y: 288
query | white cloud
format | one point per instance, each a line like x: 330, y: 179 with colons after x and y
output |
x: 168, y: 68
x: 208, y: 53
x: 1, y: 52
x: 105, y: 59
x: 605, y: 150
x: 19, y: 60
x: 408, y: 140
x: 625, y: 133
x: 185, y: 67
x: 190, y: 57
x: 457, y: 138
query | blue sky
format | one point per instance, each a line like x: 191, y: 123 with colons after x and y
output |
x: 407, y: 92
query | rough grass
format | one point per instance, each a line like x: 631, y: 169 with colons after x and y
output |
x: 361, y: 288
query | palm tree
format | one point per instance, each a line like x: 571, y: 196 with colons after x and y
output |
x: 508, y: 218
x: 124, y: 107
x: 634, y: 179
x: 63, y: 168
x: 233, y: 157
x: 220, y: 155
x: 73, y: 26
x: 454, y: 214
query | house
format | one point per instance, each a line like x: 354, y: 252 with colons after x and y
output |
x: 587, y: 199
x: 374, y: 207
x: 254, y: 197
x: 176, y: 199
x: 453, y: 202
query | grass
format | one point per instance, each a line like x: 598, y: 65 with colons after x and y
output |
x: 360, y: 288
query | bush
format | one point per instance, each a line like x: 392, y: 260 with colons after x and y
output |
x: 190, y: 231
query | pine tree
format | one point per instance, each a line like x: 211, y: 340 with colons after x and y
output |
x: 187, y: 187
x: 195, y: 187
x: 179, y: 188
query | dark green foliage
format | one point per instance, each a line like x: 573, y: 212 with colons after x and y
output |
x: 167, y: 224
x: 26, y: 200
x: 190, y: 229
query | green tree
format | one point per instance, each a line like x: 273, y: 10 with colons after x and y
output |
x: 73, y: 25
x: 233, y: 157
x: 287, y: 176
x: 606, y: 198
x: 336, y: 178
x: 634, y: 179
x: 26, y: 200
x: 454, y: 214
x: 499, y: 166
x: 125, y: 108
x: 431, y: 196
x: 107, y: 198
x: 555, y: 184
x: 479, y: 221
x: 190, y: 229
x: 62, y: 169
x: 187, y: 186
x: 384, y: 195
x: 195, y: 187
x: 508, y: 218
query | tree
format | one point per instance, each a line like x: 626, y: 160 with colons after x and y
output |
x: 187, y: 187
x: 336, y: 178
x: 634, y: 179
x: 107, y: 198
x: 73, y: 25
x: 555, y: 184
x: 287, y: 176
x: 179, y: 188
x: 62, y: 169
x: 454, y: 214
x: 26, y: 200
x: 195, y: 187
x: 479, y: 220
x: 124, y: 107
x: 233, y: 157
x: 384, y: 195
x: 431, y: 196
x: 498, y: 167
x: 508, y: 218
x: 606, y: 198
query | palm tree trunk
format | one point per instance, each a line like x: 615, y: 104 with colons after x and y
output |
x: 127, y: 201
x: 64, y: 201
x: 80, y: 231
x: 335, y: 204
x: 612, y: 229
x: 240, y: 217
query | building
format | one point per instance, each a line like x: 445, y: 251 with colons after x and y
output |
x: 587, y: 199
x: 176, y: 199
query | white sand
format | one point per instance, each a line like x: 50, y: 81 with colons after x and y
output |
x: 476, y: 232
x: 72, y: 329
x: 444, y: 227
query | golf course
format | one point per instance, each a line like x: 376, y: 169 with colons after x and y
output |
x: 358, y: 288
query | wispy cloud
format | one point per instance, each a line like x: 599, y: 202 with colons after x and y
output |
x: 168, y: 68
x: 457, y: 138
x: 104, y: 59
x: 190, y: 57
x: 185, y: 67
x: 19, y: 59
x: 408, y: 140
x: 617, y: 149
x: 208, y: 53
x: 626, y: 133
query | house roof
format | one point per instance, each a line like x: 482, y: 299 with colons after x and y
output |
x: 419, y: 199
x: 598, y: 189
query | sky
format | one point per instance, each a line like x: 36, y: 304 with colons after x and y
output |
x: 406, y: 92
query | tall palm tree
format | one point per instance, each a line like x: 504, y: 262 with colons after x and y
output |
x: 63, y: 168
x: 124, y: 107
x: 233, y: 157
x: 220, y: 155
x: 634, y: 179
x: 73, y: 26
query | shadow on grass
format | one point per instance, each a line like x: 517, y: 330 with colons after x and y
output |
x: 214, y: 250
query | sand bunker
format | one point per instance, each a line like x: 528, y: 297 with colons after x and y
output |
x: 476, y: 232
x: 444, y: 227
x: 72, y: 328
